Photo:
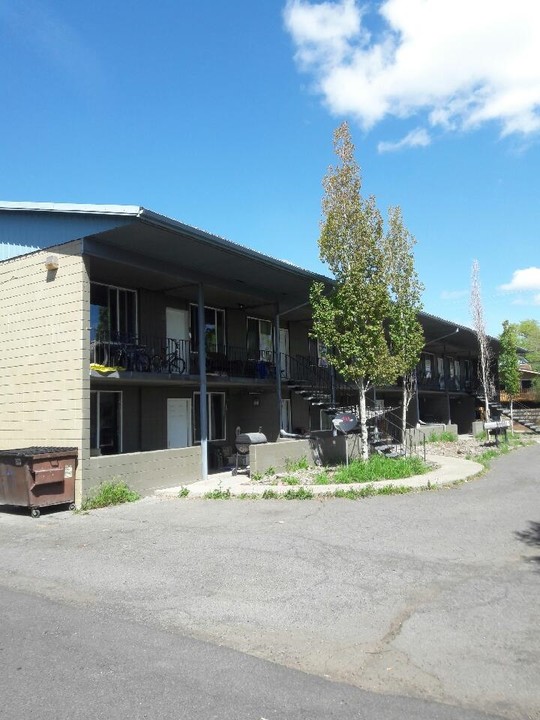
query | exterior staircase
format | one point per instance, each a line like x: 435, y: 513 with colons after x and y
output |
x: 529, y: 417
x: 317, y: 387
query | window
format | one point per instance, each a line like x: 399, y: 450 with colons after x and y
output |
x: 317, y: 352
x: 106, y: 422
x: 113, y: 313
x: 428, y: 366
x: 214, y: 329
x: 216, y: 416
x: 260, y: 343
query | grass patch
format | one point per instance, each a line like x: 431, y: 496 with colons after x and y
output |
x: 369, y: 491
x: 184, y: 492
x: 290, y: 480
x: 113, y: 492
x: 301, y: 493
x: 444, y: 436
x: 295, y: 465
x: 379, y: 467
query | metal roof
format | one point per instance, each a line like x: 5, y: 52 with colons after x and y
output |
x: 162, y: 253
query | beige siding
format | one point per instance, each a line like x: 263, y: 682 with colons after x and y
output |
x: 43, y: 348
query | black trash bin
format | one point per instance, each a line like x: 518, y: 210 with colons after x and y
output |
x: 37, y: 477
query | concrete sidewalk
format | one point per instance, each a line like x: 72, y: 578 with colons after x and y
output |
x: 447, y: 471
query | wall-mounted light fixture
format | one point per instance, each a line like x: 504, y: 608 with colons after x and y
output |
x: 51, y: 262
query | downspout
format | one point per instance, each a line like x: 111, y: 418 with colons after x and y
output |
x: 202, y: 385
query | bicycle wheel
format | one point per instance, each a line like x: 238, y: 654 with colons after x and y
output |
x: 177, y: 365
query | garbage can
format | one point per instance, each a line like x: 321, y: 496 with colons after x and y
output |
x: 37, y: 477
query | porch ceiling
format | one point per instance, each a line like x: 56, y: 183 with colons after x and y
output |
x: 440, y: 336
x: 176, y: 258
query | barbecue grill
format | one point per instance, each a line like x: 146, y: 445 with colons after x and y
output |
x: 244, y: 441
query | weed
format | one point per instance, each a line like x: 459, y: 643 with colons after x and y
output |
x: 270, y: 471
x: 300, y: 493
x: 184, y: 492
x: 113, y: 492
x: 256, y: 476
x: 218, y: 494
x: 321, y: 478
x: 482, y: 435
x: 294, y: 465
x: 369, y: 491
x: 444, y: 436
x: 270, y: 495
x: 290, y: 480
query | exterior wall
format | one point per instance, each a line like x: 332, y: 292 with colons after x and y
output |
x: 146, y: 472
x: 298, y: 338
x: 44, y: 384
x: 462, y: 413
x: 242, y: 413
x: 322, y: 449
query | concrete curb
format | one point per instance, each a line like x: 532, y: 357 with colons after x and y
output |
x: 448, y: 470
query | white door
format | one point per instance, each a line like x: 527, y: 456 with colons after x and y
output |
x: 178, y: 422
x: 285, y: 363
x: 177, y: 324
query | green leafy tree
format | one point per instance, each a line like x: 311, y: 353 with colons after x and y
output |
x: 528, y: 337
x: 405, y: 332
x: 351, y: 319
x: 509, y: 364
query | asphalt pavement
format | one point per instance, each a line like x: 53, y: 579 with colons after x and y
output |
x: 420, y: 605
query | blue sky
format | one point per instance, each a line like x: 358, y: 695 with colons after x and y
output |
x: 221, y: 115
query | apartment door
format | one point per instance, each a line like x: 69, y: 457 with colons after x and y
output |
x: 177, y: 324
x: 178, y: 422
x: 285, y: 362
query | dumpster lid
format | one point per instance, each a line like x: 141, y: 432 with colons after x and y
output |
x: 32, y: 451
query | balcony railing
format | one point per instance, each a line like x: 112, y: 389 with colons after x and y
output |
x: 177, y: 357
x: 443, y: 383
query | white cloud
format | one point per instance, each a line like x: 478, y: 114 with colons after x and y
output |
x: 416, y: 138
x: 526, y: 279
x: 461, y: 63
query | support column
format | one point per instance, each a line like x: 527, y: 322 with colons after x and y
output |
x: 446, y: 384
x: 278, y: 370
x: 202, y: 385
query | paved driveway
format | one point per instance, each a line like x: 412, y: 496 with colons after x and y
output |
x: 432, y: 595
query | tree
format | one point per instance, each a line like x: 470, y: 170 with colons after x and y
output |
x: 528, y: 337
x: 509, y: 364
x: 405, y: 332
x: 477, y: 312
x: 352, y: 319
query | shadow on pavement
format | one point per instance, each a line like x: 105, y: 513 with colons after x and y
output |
x: 531, y: 537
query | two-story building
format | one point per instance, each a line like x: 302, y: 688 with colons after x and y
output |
x: 149, y: 344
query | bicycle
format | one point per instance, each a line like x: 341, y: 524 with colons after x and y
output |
x: 133, y: 357
x: 171, y: 362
